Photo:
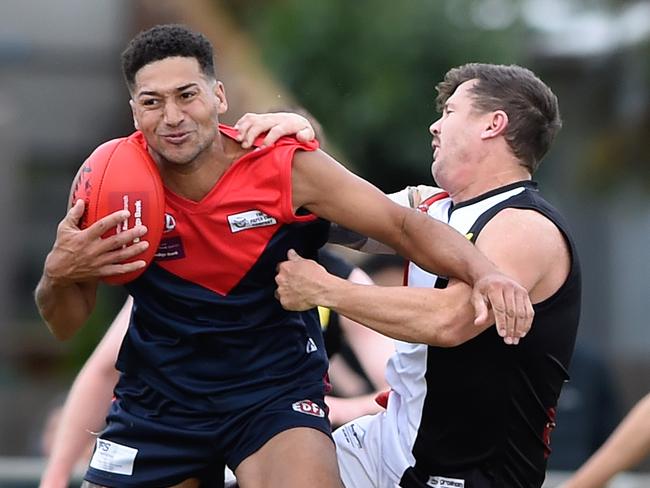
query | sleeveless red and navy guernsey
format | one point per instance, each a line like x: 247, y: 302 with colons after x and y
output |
x: 206, y: 330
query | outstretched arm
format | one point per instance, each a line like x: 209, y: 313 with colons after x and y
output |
x: 626, y: 447
x: 442, y: 317
x: 410, y: 197
x: 433, y: 245
x: 86, y: 406
x: 420, y: 315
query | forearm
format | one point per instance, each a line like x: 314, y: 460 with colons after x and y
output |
x: 371, y: 349
x: 626, y: 447
x: 343, y: 410
x: 64, y: 307
x: 439, y: 248
x: 83, y: 415
x: 602, y: 467
x: 409, y: 197
x: 85, y: 408
x: 433, y: 245
x: 421, y: 315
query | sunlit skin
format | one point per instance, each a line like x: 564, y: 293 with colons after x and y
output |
x: 177, y: 108
x: 469, y: 157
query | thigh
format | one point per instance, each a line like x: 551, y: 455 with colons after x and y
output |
x: 246, y: 432
x: 294, y: 458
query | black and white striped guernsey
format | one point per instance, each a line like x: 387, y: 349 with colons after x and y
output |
x: 482, y: 412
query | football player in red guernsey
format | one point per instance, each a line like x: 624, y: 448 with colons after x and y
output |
x: 213, y: 369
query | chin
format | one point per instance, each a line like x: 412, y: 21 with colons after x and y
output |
x: 176, y: 157
x: 182, y: 159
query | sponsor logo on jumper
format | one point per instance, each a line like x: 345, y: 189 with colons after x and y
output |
x: 311, y: 346
x: 170, y: 248
x: 170, y: 223
x: 308, y: 407
x: 250, y: 220
x: 438, y: 481
x: 113, y: 457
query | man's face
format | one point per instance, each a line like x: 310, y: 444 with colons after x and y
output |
x: 177, y: 107
x: 456, y: 139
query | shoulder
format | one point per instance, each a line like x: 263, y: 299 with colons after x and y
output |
x: 517, y: 220
x: 527, y: 245
x: 525, y: 229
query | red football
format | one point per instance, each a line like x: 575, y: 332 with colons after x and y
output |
x: 120, y: 174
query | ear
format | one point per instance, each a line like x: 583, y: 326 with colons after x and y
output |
x: 220, y: 93
x: 135, y: 120
x: 497, y: 124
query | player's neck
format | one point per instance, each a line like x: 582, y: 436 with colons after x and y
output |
x: 483, y: 184
x: 196, y: 179
x: 231, y: 150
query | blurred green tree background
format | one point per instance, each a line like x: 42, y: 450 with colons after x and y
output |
x: 367, y: 71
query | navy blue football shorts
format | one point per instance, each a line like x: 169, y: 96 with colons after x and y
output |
x: 153, y: 442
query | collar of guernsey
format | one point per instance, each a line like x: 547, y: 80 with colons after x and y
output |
x: 209, y: 250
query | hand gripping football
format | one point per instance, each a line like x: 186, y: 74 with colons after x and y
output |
x: 120, y: 174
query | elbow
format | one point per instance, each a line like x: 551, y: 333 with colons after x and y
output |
x: 61, y: 334
x: 62, y: 326
x: 446, y: 330
x: 444, y: 338
x: 451, y: 339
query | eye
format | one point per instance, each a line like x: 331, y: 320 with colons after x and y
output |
x: 188, y: 95
x: 150, y: 102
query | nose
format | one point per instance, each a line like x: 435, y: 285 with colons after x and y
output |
x: 173, y: 115
x: 434, y: 128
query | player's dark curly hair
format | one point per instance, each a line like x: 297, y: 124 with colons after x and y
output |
x: 532, y: 108
x: 164, y: 41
